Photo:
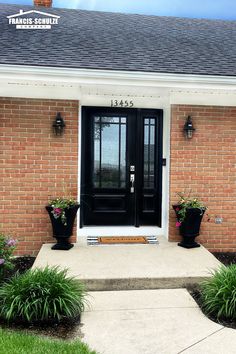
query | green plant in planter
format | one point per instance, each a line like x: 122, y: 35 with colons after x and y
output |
x: 41, y: 295
x: 218, y: 294
x: 189, y: 213
x: 185, y: 203
x: 59, y: 206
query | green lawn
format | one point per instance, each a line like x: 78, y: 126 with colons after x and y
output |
x: 22, y: 343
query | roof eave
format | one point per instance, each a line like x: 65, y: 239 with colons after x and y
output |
x: 89, y: 76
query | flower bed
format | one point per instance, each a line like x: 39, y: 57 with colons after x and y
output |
x: 61, y: 324
x: 227, y: 258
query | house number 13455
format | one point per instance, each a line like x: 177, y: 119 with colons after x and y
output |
x: 122, y: 103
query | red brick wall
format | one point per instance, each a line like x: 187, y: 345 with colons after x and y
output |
x: 206, y: 166
x: 35, y: 165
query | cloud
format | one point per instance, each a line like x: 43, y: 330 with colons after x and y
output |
x: 92, y: 4
x: 183, y: 8
x: 72, y: 4
x: 77, y: 4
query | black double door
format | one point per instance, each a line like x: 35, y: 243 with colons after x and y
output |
x: 121, y: 166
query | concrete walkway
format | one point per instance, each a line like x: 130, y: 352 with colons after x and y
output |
x: 152, y: 322
x: 137, y: 321
x: 128, y: 267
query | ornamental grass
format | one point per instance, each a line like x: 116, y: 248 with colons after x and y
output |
x: 41, y: 295
x: 219, y: 293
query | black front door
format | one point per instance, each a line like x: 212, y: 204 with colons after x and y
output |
x: 121, y: 166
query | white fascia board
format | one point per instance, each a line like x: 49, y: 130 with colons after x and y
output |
x: 110, y: 77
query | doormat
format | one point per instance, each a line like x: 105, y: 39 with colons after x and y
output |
x: 113, y: 240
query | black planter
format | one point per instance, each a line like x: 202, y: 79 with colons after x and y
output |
x: 190, y: 227
x: 60, y: 231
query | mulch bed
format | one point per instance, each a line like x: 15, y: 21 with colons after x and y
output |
x: 21, y: 264
x: 64, y: 329
x: 225, y: 258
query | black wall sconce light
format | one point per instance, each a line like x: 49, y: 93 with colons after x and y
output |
x: 58, y: 125
x: 188, y: 128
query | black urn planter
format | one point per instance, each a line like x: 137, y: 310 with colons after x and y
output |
x: 60, y: 231
x: 190, y: 227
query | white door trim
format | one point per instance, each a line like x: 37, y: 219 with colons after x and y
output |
x: 120, y: 231
x: 158, y: 103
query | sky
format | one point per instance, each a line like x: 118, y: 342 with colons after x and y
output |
x: 212, y: 9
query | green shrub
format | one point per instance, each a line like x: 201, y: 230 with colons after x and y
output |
x: 7, y: 247
x: 41, y: 295
x: 218, y: 294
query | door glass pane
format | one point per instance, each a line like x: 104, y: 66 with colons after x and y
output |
x: 96, y: 176
x: 123, y: 156
x: 149, y: 152
x: 110, y: 152
x: 110, y: 119
x: 110, y: 156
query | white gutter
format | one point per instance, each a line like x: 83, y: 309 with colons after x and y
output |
x: 127, y: 78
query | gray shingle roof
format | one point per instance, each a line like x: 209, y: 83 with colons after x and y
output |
x: 100, y: 40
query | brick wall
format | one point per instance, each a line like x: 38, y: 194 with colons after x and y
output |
x: 35, y: 165
x: 206, y: 166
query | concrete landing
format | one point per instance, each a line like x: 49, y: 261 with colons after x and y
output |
x: 128, y: 267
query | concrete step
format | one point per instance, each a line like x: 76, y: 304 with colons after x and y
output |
x: 131, y: 267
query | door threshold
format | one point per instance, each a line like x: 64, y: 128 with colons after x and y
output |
x: 120, y: 231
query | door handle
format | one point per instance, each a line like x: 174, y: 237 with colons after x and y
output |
x: 132, y: 180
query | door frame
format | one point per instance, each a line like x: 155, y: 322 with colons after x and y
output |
x: 159, y: 158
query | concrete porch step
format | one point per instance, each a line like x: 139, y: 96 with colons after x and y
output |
x: 131, y: 267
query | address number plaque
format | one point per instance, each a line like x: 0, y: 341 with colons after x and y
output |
x: 122, y: 103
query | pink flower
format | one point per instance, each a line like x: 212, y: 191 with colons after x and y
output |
x: 2, y: 261
x: 178, y: 223
x: 177, y: 209
x: 57, y: 211
x: 11, y: 242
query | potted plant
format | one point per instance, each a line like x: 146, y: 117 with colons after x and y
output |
x: 189, y: 213
x: 62, y: 213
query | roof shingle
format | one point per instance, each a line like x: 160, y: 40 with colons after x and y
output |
x: 114, y: 41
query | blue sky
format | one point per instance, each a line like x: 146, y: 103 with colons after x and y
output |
x: 214, y: 9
